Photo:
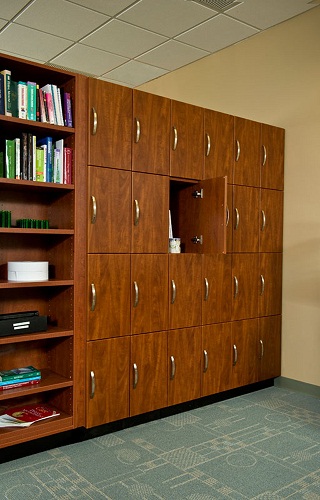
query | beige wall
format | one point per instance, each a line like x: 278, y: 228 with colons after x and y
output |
x: 274, y: 77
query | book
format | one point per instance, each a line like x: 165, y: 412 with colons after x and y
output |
x: 28, y: 379
x: 47, y: 94
x: 67, y: 164
x: 25, y: 415
x: 22, y: 100
x: 37, y: 104
x: 30, y: 157
x: 24, y: 156
x: 17, y: 157
x: 46, y: 144
x: 10, y: 163
x: 7, y: 91
x: 34, y: 157
x: 61, y: 119
x: 18, y: 383
x: 14, y: 98
x: 42, y: 107
x: 1, y: 94
x: 19, y: 373
x: 67, y: 109
x: 56, y: 105
x: 58, y: 161
x: 31, y: 101
x: 40, y: 164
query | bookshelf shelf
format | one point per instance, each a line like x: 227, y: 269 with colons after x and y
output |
x: 51, y: 333
x: 35, y: 284
x: 49, y: 381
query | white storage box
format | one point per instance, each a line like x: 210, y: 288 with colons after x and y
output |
x: 28, y: 271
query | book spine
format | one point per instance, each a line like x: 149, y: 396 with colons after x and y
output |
x: 68, y: 157
x: 61, y: 120
x: 43, y: 114
x: 34, y: 157
x: 68, y: 109
x: 10, y: 377
x: 19, y: 383
x: 24, y: 156
x: 7, y: 91
x: 10, y: 159
x: 32, y: 101
x: 49, y: 101
x: 22, y: 100
x: 55, y: 101
x: 40, y: 164
x: 30, y: 157
x: 18, y: 157
x: 37, y: 104
x: 14, y: 99
x: 2, y: 98
x: 56, y: 166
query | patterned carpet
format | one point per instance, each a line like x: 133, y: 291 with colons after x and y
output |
x: 262, y: 445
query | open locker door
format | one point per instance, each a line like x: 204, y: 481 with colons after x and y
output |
x: 202, y: 221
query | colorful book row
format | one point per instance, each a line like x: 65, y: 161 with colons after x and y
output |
x: 43, y: 160
x: 26, y: 100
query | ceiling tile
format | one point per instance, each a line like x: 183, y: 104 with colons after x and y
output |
x: 3, y: 22
x: 172, y: 55
x: 217, y: 33
x: 134, y: 73
x: 264, y: 14
x: 123, y: 39
x: 111, y: 7
x: 58, y: 18
x: 26, y: 42
x: 168, y: 17
x: 88, y: 60
x: 10, y: 9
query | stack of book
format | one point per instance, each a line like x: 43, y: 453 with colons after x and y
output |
x: 26, y: 100
x: 19, y: 377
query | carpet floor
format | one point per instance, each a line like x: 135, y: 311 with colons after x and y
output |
x: 262, y: 445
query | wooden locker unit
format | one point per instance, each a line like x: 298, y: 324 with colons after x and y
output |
x: 210, y: 316
x: 216, y: 358
x: 151, y: 133
x: 149, y: 291
x: 187, y: 141
x: 149, y: 374
x: 110, y: 127
x: 184, y: 367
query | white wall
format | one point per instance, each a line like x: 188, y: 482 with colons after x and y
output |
x: 274, y: 77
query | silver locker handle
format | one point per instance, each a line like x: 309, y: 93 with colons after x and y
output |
x: 95, y: 121
x: 93, y: 384
x: 173, y: 367
x: 206, y: 289
x: 175, y: 138
x: 136, y: 294
x: 208, y: 145
x: 135, y: 375
x: 238, y: 150
x: 94, y: 209
x: 174, y: 291
x: 206, y: 361
x: 93, y: 297
x: 236, y: 287
x: 138, y: 130
x: 235, y: 354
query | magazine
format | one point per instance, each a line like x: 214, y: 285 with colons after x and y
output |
x: 24, y: 416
